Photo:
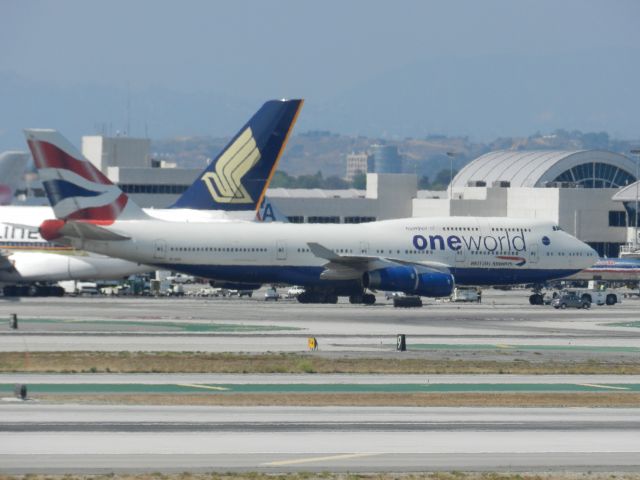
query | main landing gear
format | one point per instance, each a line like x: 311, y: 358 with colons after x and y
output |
x: 330, y: 296
x: 363, y: 298
x: 537, y: 297
x: 318, y: 296
x: 32, y: 291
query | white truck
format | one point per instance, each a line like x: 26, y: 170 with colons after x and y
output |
x: 598, y: 294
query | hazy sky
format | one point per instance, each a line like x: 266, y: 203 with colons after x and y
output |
x: 343, y: 57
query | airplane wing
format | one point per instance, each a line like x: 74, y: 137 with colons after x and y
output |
x: 345, y: 267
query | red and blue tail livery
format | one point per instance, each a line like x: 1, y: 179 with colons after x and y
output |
x: 76, y: 189
x: 238, y: 177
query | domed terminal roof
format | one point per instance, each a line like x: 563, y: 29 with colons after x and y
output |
x: 628, y: 193
x: 540, y: 168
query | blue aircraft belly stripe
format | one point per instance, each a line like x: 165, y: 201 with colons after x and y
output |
x: 310, y: 276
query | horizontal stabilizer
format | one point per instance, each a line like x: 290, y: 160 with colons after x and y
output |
x: 89, y: 231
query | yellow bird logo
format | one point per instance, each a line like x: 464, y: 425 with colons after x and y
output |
x: 225, y: 184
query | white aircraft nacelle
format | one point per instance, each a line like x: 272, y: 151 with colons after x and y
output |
x: 50, y: 267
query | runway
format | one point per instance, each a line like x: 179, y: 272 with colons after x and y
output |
x: 92, y: 439
x: 41, y: 437
x: 503, y: 327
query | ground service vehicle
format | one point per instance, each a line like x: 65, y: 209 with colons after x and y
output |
x: 570, y: 300
x: 271, y: 294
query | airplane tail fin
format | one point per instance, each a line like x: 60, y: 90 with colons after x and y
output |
x: 77, y: 190
x: 12, y: 166
x: 239, y: 176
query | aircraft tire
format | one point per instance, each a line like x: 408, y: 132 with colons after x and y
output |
x: 330, y: 298
x: 57, y: 291
x: 303, y: 298
x: 356, y: 299
x: 368, y: 299
x: 10, y: 291
x: 536, y: 299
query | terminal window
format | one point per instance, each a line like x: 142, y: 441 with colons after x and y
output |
x: 152, y: 189
x: 359, y: 219
x: 320, y: 219
x: 617, y: 218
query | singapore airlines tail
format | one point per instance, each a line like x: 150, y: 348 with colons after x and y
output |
x: 238, y: 178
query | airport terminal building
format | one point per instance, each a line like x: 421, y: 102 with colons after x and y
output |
x: 572, y: 188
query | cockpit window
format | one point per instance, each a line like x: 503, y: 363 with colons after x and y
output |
x: 556, y: 228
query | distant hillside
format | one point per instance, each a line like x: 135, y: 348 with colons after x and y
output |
x: 321, y: 151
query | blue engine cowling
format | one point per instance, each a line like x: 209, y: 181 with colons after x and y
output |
x: 408, y: 280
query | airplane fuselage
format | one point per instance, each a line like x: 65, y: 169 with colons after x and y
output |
x: 30, y: 258
x: 477, y: 251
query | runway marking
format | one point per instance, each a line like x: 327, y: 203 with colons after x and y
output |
x: 206, y: 387
x: 319, y: 459
x: 602, y: 386
x: 502, y: 345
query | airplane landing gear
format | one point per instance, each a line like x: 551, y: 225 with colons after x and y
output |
x: 368, y: 299
x: 536, y: 299
x: 313, y: 296
x: 362, y: 298
x: 32, y: 291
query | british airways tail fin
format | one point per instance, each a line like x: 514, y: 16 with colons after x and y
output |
x: 77, y: 190
x: 12, y: 166
x: 239, y: 176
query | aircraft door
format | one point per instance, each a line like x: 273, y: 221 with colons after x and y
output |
x: 159, y: 249
x: 281, y: 250
x: 460, y: 255
x: 533, y: 253
x: 364, y: 248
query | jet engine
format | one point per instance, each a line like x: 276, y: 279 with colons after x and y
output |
x: 408, y: 280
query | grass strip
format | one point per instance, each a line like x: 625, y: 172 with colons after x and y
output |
x: 339, y: 476
x: 189, y: 362
x: 545, y: 399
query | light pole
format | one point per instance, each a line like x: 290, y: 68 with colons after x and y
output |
x: 636, y: 152
x: 451, y: 155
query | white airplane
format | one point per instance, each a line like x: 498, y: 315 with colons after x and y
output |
x: 417, y: 256
x: 12, y: 167
x: 231, y: 187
